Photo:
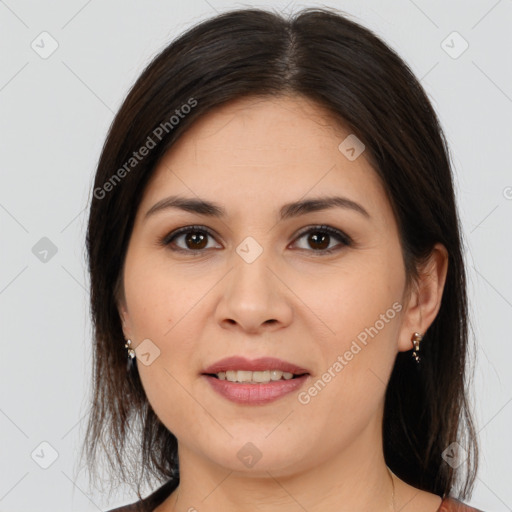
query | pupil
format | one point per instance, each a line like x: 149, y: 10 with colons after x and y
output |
x: 196, y: 240
x: 324, y: 243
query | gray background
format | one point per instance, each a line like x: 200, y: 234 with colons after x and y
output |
x: 55, y: 112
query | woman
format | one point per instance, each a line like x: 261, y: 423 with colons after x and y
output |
x: 274, y: 248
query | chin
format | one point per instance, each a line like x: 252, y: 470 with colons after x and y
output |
x: 259, y: 457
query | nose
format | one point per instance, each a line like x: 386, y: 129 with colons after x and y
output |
x: 254, y: 298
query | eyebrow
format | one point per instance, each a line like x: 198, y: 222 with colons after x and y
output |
x: 287, y: 211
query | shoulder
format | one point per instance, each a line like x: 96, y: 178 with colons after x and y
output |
x: 453, y: 505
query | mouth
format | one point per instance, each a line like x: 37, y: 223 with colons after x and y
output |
x: 255, y: 377
x: 255, y: 388
x: 255, y: 382
x: 257, y: 371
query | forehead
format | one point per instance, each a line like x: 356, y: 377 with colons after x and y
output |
x: 284, y: 127
x: 280, y: 147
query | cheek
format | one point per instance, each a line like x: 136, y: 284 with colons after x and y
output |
x: 347, y: 394
x: 156, y: 296
x: 358, y: 349
x: 349, y: 304
x: 160, y: 309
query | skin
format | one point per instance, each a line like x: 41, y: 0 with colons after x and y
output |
x: 252, y: 155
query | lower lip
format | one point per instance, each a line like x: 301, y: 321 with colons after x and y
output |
x: 255, y: 394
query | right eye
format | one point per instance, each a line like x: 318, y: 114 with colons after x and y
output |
x: 194, y: 239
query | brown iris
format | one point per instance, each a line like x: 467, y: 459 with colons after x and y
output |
x: 197, y: 240
x: 319, y: 239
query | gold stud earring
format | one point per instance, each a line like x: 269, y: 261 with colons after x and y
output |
x: 416, y: 338
x: 131, y: 354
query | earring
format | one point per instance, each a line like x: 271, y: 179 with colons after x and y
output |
x: 131, y: 354
x: 416, y: 338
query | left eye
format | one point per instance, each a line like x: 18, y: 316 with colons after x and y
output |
x: 195, y: 239
x: 320, y: 237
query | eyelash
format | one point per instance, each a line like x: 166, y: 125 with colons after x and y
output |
x: 333, y: 232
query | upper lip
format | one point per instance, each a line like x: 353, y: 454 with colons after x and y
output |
x: 253, y: 365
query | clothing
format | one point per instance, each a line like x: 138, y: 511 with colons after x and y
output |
x: 451, y: 504
x: 153, y: 500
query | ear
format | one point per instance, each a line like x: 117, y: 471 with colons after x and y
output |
x: 425, y: 297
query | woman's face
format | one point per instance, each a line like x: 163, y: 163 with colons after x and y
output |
x: 258, y: 282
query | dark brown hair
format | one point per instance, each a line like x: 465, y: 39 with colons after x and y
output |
x: 324, y: 56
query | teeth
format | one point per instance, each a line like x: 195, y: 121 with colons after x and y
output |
x: 261, y: 377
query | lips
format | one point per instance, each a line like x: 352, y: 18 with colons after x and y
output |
x: 253, y: 365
